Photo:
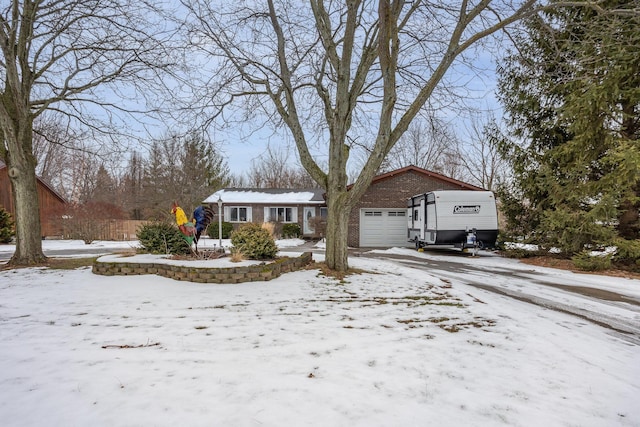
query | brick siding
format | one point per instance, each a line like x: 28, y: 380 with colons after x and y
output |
x: 392, y: 192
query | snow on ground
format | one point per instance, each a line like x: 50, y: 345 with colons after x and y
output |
x: 392, y: 347
x: 205, y: 243
x: 77, y: 244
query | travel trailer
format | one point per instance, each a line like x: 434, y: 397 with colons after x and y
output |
x: 464, y: 219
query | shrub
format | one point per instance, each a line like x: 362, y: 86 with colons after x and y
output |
x: 162, y: 238
x: 227, y: 229
x: 290, y: 231
x: 254, y: 242
x: 6, y: 226
x: 86, y: 221
x: 627, y: 252
x: 519, y: 253
x: 587, y: 262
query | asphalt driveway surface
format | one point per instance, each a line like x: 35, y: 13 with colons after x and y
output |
x: 575, y: 294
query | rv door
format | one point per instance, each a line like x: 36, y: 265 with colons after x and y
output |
x: 430, y: 220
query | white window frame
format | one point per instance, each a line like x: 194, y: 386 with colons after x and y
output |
x: 293, y: 214
x: 228, y: 214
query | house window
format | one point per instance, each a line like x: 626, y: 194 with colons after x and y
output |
x: 283, y: 215
x: 324, y: 212
x: 239, y: 214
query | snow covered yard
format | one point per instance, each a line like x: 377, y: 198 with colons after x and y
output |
x: 392, y: 347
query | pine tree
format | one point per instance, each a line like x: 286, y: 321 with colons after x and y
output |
x: 572, y: 92
x: 6, y: 226
x: 185, y: 169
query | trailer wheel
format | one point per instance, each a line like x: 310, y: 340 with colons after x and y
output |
x: 480, y: 244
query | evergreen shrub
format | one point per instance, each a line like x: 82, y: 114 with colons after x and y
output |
x: 588, y: 262
x: 627, y: 252
x: 6, y: 226
x: 162, y: 238
x: 291, y: 231
x: 519, y: 253
x: 254, y: 242
x: 227, y: 229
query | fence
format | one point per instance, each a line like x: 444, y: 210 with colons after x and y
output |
x: 103, y: 229
x: 121, y: 229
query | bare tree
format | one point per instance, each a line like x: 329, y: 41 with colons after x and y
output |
x: 238, y: 181
x: 275, y: 169
x: 335, y: 71
x: 428, y: 143
x: 51, y: 149
x: 480, y: 157
x: 61, y: 56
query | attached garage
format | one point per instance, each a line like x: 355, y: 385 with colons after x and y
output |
x: 383, y: 227
x: 379, y: 218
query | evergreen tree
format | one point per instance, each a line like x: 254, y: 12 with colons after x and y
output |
x: 572, y: 92
x: 185, y: 169
x: 203, y: 170
x: 6, y: 226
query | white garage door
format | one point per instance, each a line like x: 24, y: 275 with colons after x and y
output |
x: 383, y: 227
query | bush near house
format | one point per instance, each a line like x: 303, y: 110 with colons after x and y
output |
x: 6, y: 226
x: 162, y: 238
x: 291, y: 231
x: 254, y: 242
x: 227, y: 229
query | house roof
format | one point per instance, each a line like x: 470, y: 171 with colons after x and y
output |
x: 44, y: 184
x: 431, y: 174
x: 312, y: 196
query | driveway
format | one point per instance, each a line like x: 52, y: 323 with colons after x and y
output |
x: 587, y: 296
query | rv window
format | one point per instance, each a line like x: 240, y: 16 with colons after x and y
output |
x: 415, y: 214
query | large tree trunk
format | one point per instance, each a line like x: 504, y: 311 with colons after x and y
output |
x: 337, y: 231
x: 21, y: 166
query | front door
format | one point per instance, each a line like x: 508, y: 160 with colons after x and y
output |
x: 307, y: 226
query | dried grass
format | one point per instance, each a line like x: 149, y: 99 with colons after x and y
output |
x: 270, y: 227
x: 237, y: 256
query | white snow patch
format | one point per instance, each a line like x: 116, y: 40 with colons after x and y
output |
x: 373, y: 350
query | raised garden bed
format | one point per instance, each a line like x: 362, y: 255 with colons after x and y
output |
x: 200, y: 271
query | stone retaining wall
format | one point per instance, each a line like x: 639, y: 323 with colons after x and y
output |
x: 252, y: 273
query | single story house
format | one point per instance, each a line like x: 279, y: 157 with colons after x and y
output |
x: 50, y: 203
x: 285, y: 206
x: 378, y: 220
